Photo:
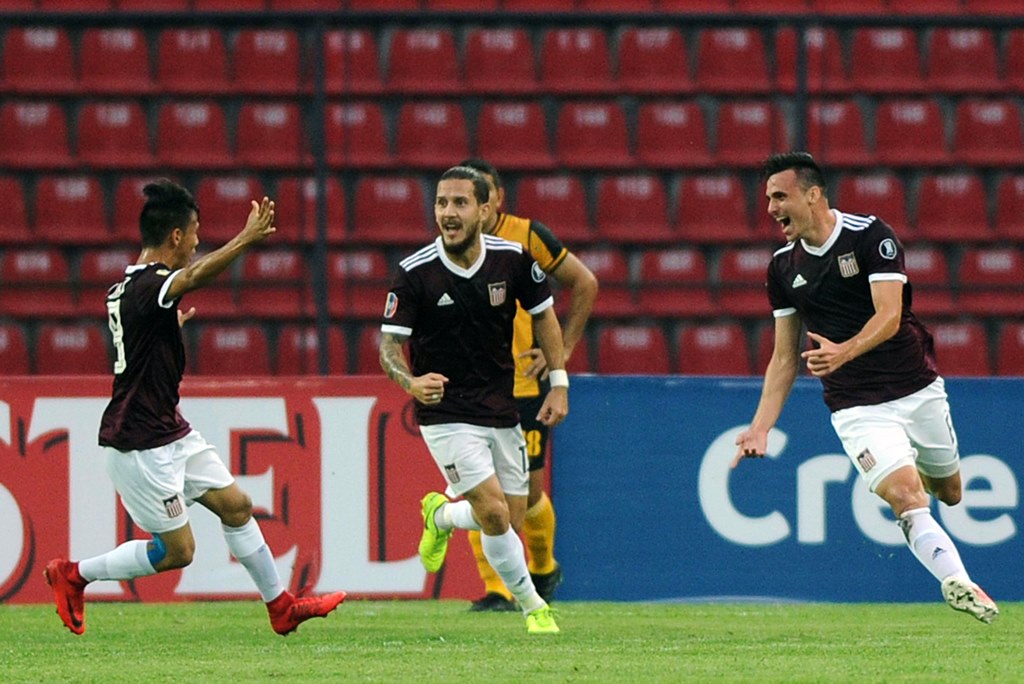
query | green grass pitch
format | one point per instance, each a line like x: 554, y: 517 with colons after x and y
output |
x: 441, y: 641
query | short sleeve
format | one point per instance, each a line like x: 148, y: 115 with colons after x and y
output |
x: 400, y: 306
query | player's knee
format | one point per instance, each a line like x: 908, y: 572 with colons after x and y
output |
x: 177, y: 556
x: 237, y: 512
x: 949, y: 496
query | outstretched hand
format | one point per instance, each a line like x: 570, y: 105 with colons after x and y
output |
x: 750, y: 444
x: 260, y: 223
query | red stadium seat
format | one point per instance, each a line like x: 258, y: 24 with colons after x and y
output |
x: 632, y: 350
x: 152, y: 5
x: 381, y: 5
x: 742, y: 272
x: 192, y: 60
x: 355, y: 135
x: 961, y: 349
x: 850, y: 6
x: 1013, y: 73
x: 358, y: 283
x: 36, y: 283
x: 732, y: 60
x: 1009, y: 349
x: 224, y: 205
x: 350, y: 62
x: 826, y: 72
x: 993, y: 7
x: 696, y: 6
x: 298, y: 351
x: 615, y: 5
x: 653, y: 60
x: 683, y: 124
x: 192, y: 135
x: 835, y: 133
x: 910, y: 133
x: 423, y: 61
x: 80, y: 349
x: 990, y: 280
x: 611, y: 268
x: 925, y: 7
x: 633, y: 209
x: 713, y: 349
x: 988, y: 133
x: 952, y: 207
x: 71, y: 210
x: 673, y: 283
x: 558, y: 202
x: 962, y: 60
x: 879, y: 194
x: 431, y: 135
x: 538, y: 5
x: 269, y: 135
x: 1009, y: 218
x: 391, y: 210
x: 592, y: 135
x: 14, y: 357
x: 461, y: 5
x: 97, y: 271
x: 115, y: 61
x: 14, y: 219
x: 575, y: 60
x: 516, y: 133
x: 38, y: 60
x: 266, y: 61
x: 114, y: 135
x: 227, y: 5
x: 499, y: 61
x: 367, y: 360
x: 238, y: 350
x: 313, y: 5
x: 273, y: 284
x: 928, y: 274
x: 33, y: 135
x: 296, y: 206
x: 770, y: 6
x: 749, y: 131
x: 713, y: 209
x: 886, y: 60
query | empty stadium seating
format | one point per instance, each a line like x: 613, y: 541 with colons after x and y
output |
x: 878, y: 194
x: 928, y: 275
x: 431, y: 135
x: 297, y: 351
x: 114, y: 136
x: 835, y: 134
x: 270, y: 135
x: 350, y: 62
x: 516, y: 133
x: 592, y: 135
x: 499, y: 61
x: 1009, y: 349
x: 673, y: 283
x: 14, y: 356
x: 38, y: 59
x: 423, y: 61
x: 682, y: 123
x: 713, y: 349
x: 273, y: 283
x: 633, y: 209
x: 713, y: 209
x: 990, y: 281
x: 742, y: 272
x: 266, y: 61
x: 886, y: 60
x: 1009, y: 215
x: 748, y: 131
x: 115, y: 60
x: 632, y: 350
x: 962, y: 60
x: 355, y: 135
x: 35, y: 283
x: 14, y: 225
x: 653, y: 61
x: 575, y: 60
x: 297, y: 200
x: 224, y: 205
x: 70, y: 210
x: 72, y: 349
x: 961, y: 348
x: 193, y: 135
x: 34, y: 135
x: 910, y: 132
x: 952, y: 207
x: 988, y: 132
x: 611, y: 268
x: 391, y: 210
x: 231, y: 350
x: 192, y: 60
x: 731, y: 60
x: 825, y: 69
x: 562, y: 203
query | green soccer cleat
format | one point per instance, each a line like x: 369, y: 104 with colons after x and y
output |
x: 542, y: 621
x: 434, y: 542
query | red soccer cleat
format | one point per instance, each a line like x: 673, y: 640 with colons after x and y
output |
x: 68, y: 591
x: 287, y: 611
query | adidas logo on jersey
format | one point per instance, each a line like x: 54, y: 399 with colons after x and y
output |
x: 445, y: 300
x: 799, y: 281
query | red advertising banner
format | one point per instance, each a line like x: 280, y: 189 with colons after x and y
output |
x: 335, y: 468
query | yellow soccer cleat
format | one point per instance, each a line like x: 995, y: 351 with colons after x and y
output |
x: 542, y: 621
x: 434, y: 542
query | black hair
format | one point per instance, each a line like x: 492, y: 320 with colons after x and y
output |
x: 486, y: 168
x: 481, y: 190
x: 168, y: 206
x: 808, y: 173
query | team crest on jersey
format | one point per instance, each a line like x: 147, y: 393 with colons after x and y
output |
x: 848, y: 265
x: 866, y: 460
x: 887, y: 248
x: 391, y: 305
x: 173, y: 507
x: 498, y: 293
x: 538, y: 273
x: 452, y: 473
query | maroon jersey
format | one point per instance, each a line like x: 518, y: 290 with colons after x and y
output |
x: 830, y: 287
x: 460, y: 325
x: 143, y: 409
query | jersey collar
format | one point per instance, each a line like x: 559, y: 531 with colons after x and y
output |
x: 454, y: 267
x: 821, y: 251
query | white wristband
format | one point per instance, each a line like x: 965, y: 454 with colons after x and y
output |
x: 559, y: 378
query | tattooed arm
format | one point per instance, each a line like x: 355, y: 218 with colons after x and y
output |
x: 426, y: 389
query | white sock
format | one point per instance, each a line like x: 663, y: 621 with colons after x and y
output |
x: 931, y: 545
x: 505, y: 554
x: 458, y: 514
x: 127, y: 561
x: 248, y: 546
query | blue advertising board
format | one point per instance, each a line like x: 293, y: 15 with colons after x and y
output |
x: 649, y: 509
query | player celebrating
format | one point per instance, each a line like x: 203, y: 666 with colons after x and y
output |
x: 531, y: 376
x: 157, y: 462
x: 842, y: 275
x: 454, y: 301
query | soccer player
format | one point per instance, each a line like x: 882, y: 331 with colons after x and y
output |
x: 157, y: 462
x: 454, y: 302
x: 842, y: 276
x: 530, y: 385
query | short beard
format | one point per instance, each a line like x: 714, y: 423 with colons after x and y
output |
x: 459, y: 248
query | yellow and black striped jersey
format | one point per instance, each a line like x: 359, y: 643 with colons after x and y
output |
x: 549, y: 253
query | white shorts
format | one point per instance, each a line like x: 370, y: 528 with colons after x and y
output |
x: 157, y: 484
x: 468, y: 454
x: 912, y: 430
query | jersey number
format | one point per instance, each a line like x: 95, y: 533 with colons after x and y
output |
x: 116, y: 329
